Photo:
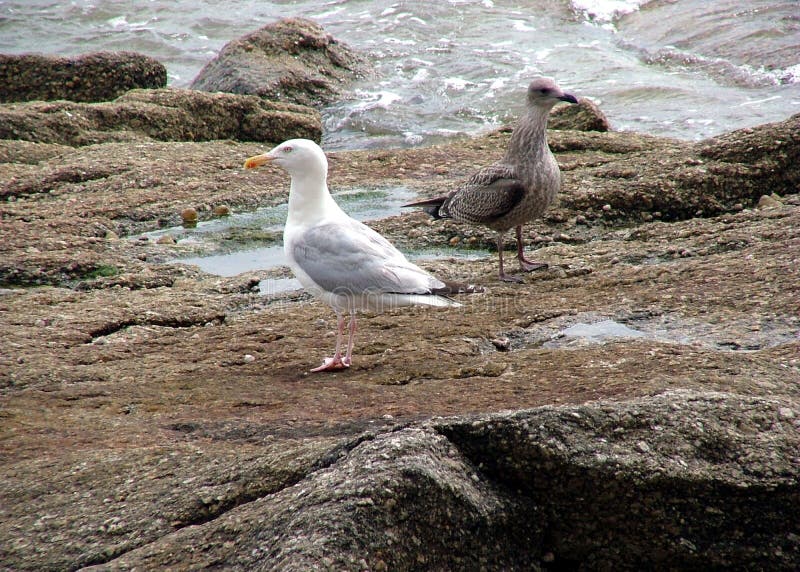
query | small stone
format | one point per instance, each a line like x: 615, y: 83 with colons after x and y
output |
x: 768, y: 202
x: 249, y: 358
x: 642, y: 447
x: 111, y: 235
x: 166, y: 239
x: 189, y: 215
x: 580, y: 219
x: 414, y: 233
x: 786, y: 413
x: 502, y: 344
x: 221, y: 210
x: 606, y: 208
x: 455, y: 241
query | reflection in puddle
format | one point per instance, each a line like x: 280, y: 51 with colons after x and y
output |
x: 240, y: 261
x: 591, y: 328
x: 599, y: 332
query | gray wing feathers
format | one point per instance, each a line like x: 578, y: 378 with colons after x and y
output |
x: 351, y: 257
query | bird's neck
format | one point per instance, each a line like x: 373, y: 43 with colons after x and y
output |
x: 529, y: 138
x: 309, y: 198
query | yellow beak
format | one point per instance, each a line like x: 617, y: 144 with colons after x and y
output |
x: 257, y: 161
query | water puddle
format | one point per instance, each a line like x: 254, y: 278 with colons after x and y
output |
x: 244, y: 242
x: 590, y: 328
x: 596, y: 333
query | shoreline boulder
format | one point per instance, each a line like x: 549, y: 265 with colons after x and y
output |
x: 97, y: 76
x: 292, y: 60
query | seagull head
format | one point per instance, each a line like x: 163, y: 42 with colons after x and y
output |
x: 296, y: 156
x: 544, y: 92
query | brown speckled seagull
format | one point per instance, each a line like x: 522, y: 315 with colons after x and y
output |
x: 516, y: 189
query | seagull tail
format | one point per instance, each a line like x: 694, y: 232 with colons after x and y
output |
x: 431, y: 206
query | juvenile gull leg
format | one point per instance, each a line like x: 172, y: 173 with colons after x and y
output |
x: 336, y: 363
x: 503, y: 276
x: 525, y: 264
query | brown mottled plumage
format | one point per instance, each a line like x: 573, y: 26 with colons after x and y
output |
x: 520, y: 186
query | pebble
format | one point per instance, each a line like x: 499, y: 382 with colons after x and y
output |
x: 221, y: 210
x: 414, y: 233
x: 502, y: 344
x: 580, y: 219
x: 189, y: 215
x: 606, y: 208
x: 249, y: 358
x: 768, y: 202
x: 455, y: 241
x: 166, y: 239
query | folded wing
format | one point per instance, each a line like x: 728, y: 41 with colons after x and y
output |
x: 349, y: 257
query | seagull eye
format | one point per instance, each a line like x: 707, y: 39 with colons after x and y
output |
x: 287, y: 149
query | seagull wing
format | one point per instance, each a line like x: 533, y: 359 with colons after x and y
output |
x: 348, y: 257
x: 486, y: 196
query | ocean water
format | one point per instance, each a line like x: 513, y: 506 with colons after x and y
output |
x: 686, y: 68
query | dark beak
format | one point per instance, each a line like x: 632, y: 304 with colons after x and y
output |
x: 569, y: 98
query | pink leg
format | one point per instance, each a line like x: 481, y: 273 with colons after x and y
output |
x: 503, y: 276
x: 525, y: 264
x: 336, y: 363
x: 350, y: 340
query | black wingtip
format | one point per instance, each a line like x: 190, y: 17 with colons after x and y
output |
x: 430, y: 206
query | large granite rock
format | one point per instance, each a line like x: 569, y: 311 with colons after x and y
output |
x: 99, y: 76
x: 586, y: 116
x: 160, y: 114
x: 679, y: 481
x: 292, y: 60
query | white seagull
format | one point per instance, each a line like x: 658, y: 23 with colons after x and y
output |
x: 340, y: 260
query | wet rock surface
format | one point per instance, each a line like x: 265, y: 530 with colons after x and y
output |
x: 162, y: 115
x: 99, y: 76
x: 293, y: 60
x: 156, y: 416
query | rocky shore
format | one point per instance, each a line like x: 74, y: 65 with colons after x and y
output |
x: 635, y: 406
